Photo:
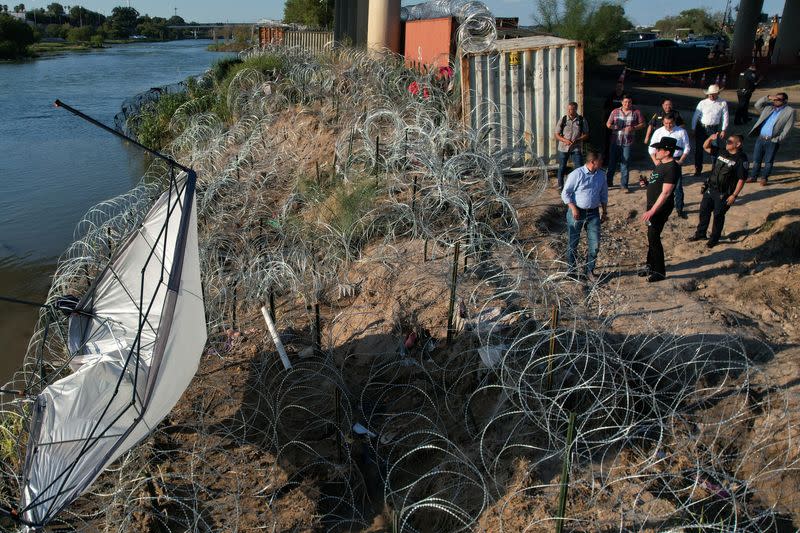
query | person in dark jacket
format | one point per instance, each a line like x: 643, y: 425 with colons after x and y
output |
x: 722, y: 187
x: 771, y: 129
x: 748, y: 80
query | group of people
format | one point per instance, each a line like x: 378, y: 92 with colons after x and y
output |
x: 585, y: 189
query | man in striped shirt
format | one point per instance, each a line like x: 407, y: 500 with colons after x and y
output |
x: 710, y: 117
x: 623, y: 123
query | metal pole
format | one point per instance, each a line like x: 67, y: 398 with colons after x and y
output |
x: 59, y: 103
x: 453, y: 282
x: 553, y: 326
x: 562, y: 495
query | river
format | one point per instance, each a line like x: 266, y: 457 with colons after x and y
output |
x: 54, y: 166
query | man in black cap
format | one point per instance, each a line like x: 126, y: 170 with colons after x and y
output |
x: 660, y: 203
x: 722, y: 188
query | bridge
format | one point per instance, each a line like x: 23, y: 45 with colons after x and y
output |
x: 213, y: 27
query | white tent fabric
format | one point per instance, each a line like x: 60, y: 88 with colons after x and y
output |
x: 133, y: 357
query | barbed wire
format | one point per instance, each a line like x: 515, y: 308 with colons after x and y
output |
x: 339, y: 187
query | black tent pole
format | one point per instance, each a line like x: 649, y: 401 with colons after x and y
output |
x: 99, y: 124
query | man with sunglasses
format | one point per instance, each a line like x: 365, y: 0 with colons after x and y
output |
x: 660, y: 203
x: 772, y: 127
x: 722, y: 187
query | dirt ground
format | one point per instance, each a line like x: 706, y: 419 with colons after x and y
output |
x: 258, y: 473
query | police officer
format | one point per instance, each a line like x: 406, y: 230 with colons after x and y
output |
x: 748, y: 80
x: 722, y: 187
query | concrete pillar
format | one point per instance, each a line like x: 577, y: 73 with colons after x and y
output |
x: 744, y: 32
x: 383, y: 28
x: 788, y: 44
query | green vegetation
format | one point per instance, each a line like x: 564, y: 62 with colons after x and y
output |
x: 152, y: 125
x: 599, y: 25
x: 81, y: 28
x: 697, y: 20
x: 15, y: 37
x: 10, y: 428
x: 314, y: 13
x: 153, y: 129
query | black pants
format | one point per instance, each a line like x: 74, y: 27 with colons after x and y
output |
x: 713, y: 202
x: 655, y: 250
x: 742, y: 116
x: 701, y: 133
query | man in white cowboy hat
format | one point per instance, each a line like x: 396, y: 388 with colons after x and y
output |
x: 710, y: 117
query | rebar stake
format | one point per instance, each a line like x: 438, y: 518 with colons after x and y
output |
x: 562, y: 495
x: 337, y: 400
x: 553, y: 326
x: 453, y: 283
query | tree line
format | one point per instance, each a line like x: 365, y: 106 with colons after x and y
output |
x: 600, y: 24
x: 79, y: 25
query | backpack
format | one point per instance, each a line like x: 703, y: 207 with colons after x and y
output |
x: 564, y: 124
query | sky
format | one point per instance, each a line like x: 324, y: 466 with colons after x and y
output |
x: 641, y: 12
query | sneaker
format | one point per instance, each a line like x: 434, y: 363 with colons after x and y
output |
x: 628, y: 191
x: 682, y: 214
x: 762, y: 182
x: 655, y: 277
x: 750, y: 180
x: 711, y: 244
x: 696, y: 237
x: 643, y: 273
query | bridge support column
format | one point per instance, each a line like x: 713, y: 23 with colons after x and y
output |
x: 383, y: 28
x: 788, y: 44
x: 745, y: 30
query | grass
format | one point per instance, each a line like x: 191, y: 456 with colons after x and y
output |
x: 153, y: 125
x: 228, y: 47
x: 48, y: 48
x: 10, y: 428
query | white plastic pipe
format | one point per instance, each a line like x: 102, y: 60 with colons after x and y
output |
x: 275, y: 338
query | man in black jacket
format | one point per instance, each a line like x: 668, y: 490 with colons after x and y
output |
x: 722, y: 188
x: 748, y: 80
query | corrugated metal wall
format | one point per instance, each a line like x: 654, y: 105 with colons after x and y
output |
x: 516, y: 96
x: 312, y: 40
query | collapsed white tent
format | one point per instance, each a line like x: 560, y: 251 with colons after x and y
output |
x: 135, y: 340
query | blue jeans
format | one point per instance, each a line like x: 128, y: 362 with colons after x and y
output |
x: 590, y: 219
x: 618, y: 155
x: 563, y: 157
x: 764, y: 151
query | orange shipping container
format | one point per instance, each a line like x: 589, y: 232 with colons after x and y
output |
x: 430, y: 42
x: 270, y: 35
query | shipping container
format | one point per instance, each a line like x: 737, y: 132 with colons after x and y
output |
x: 430, y: 42
x: 516, y: 92
x: 311, y: 40
x: 270, y: 35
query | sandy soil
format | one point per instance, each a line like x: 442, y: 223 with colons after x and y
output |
x: 258, y: 473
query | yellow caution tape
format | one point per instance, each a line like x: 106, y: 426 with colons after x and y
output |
x: 660, y: 73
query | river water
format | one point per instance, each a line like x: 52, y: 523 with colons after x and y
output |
x: 54, y: 166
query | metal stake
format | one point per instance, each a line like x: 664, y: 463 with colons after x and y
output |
x: 453, y: 283
x: 562, y: 495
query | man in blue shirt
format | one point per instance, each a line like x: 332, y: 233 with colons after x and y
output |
x: 586, y: 195
x: 772, y: 127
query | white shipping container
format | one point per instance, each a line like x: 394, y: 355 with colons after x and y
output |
x: 311, y: 40
x: 516, y: 93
